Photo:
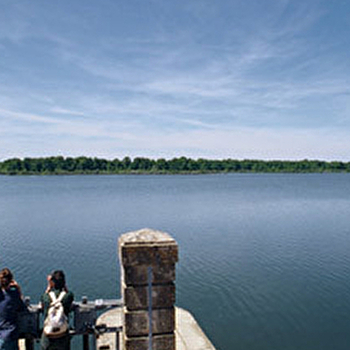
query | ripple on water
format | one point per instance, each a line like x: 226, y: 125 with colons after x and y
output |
x: 264, y: 260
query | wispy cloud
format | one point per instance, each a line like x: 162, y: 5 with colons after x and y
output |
x: 208, y: 78
x: 59, y: 110
x: 28, y: 117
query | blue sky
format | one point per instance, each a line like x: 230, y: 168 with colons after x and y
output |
x: 264, y: 79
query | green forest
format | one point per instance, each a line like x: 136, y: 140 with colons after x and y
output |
x: 182, y: 165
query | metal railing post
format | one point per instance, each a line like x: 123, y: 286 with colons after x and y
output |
x: 29, y: 344
x: 86, y: 342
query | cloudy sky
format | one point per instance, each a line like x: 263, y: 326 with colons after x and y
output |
x: 266, y: 79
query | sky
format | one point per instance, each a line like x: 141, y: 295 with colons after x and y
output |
x: 257, y: 79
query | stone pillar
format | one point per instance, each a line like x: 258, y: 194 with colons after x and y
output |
x: 138, y: 252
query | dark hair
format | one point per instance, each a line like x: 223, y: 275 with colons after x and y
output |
x: 6, y: 277
x: 58, y: 279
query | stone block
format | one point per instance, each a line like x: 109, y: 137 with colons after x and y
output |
x: 145, y: 236
x: 150, y: 255
x: 159, y: 342
x: 136, y: 298
x: 147, y: 247
x: 138, y: 275
x: 136, y: 323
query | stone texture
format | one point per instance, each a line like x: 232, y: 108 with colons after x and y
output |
x: 149, y: 254
x: 137, y: 322
x: 145, y: 236
x: 136, y: 298
x: 138, y: 275
x: 147, y: 247
x: 159, y: 342
x: 138, y: 251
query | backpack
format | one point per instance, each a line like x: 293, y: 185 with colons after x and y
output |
x: 56, y: 322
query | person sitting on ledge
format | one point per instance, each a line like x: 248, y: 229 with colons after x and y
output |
x: 57, y: 290
x: 11, y: 304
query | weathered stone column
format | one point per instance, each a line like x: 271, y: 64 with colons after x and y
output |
x: 148, y: 256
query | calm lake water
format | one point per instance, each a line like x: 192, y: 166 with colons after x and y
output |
x: 264, y: 259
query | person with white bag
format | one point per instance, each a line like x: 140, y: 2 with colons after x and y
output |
x: 56, y: 302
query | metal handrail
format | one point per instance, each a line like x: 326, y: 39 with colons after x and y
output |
x: 85, y: 315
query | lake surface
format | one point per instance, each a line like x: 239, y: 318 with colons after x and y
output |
x: 264, y: 258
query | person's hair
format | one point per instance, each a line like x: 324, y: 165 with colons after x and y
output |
x: 6, y: 277
x: 58, y: 279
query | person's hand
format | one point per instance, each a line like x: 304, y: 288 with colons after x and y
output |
x: 13, y: 283
x: 49, y: 283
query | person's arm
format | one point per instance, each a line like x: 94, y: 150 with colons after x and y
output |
x: 15, y: 285
x: 50, y: 284
x: 17, y: 289
x: 45, y: 302
x: 67, y: 302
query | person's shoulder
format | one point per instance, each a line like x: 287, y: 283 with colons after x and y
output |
x: 70, y: 295
x: 15, y: 296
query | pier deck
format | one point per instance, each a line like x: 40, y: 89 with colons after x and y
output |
x: 189, y: 336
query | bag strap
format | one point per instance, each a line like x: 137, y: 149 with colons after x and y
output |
x: 61, y: 296
x: 54, y: 299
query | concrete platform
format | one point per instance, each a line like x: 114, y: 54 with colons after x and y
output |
x: 189, y: 336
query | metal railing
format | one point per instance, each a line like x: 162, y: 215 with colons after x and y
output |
x: 85, y: 314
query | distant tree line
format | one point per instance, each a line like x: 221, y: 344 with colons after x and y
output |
x: 182, y: 165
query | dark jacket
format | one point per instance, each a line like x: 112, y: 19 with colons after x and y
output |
x: 10, y: 305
